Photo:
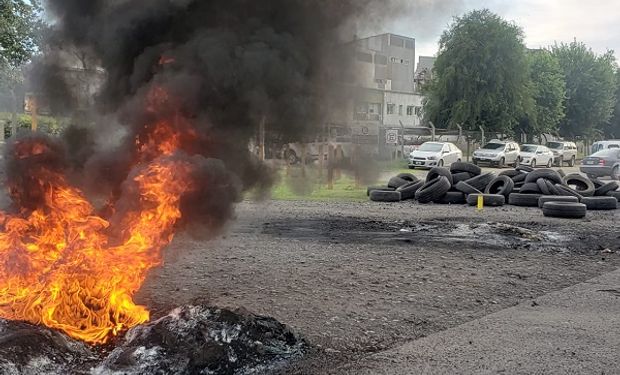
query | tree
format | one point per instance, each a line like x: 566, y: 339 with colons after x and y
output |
x: 480, y: 76
x: 612, y: 128
x: 548, y: 90
x: 20, y: 25
x: 590, y: 88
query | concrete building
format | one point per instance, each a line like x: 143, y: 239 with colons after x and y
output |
x: 424, y: 71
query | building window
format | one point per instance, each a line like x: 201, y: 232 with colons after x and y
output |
x: 418, y: 111
x: 367, y: 111
x: 381, y: 59
x: 391, y: 108
x: 400, y: 110
x: 409, y: 110
x: 396, y: 60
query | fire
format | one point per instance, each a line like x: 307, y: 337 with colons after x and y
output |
x: 64, y: 266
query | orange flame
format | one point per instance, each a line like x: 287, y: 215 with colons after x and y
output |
x: 59, y: 264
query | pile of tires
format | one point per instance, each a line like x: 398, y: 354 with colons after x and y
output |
x: 557, y: 194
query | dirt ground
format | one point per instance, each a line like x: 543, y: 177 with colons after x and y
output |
x: 355, y: 279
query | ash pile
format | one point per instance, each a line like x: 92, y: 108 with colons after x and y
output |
x: 189, y: 340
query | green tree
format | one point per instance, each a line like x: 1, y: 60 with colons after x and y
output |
x: 612, y: 128
x: 480, y: 76
x: 548, y: 90
x: 20, y: 26
x: 590, y: 88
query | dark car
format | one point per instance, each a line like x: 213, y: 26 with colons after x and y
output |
x: 603, y: 163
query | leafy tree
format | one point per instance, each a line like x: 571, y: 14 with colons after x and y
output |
x: 612, y: 129
x: 590, y: 88
x: 20, y: 25
x: 548, y: 90
x: 481, y: 75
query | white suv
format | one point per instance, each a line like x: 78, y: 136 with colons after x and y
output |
x: 498, y: 153
x: 563, y: 152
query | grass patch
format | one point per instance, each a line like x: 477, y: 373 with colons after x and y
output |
x: 296, y: 186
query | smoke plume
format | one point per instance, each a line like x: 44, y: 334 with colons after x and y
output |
x: 196, y: 77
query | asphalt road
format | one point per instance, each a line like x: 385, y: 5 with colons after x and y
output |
x: 363, y: 282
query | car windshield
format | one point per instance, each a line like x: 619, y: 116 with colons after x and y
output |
x: 494, y: 146
x: 529, y: 148
x: 609, y: 153
x: 555, y: 145
x: 431, y: 147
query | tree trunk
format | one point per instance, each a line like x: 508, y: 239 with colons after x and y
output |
x: 14, y: 114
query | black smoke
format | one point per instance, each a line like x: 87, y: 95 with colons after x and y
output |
x: 224, y: 66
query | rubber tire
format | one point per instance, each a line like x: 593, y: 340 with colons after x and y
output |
x: 385, y: 196
x: 551, y: 186
x: 524, y: 200
x: 408, y: 191
x: 542, y: 185
x: 550, y: 163
x: 565, y: 210
x: 597, y: 183
x: 572, y: 162
x: 585, y: 187
x: 561, y: 161
x: 530, y: 188
x: 382, y: 188
x: 466, y: 188
x: 520, y: 178
x: 396, y: 182
x: 408, y: 177
x: 533, y: 163
x: 452, y: 197
x: 501, y: 163
x: 525, y: 168
x: 439, y: 171
x: 481, y: 182
x: 490, y: 200
x: 600, y: 203
x: 501, y: 185
x: 461, y: 176
x: 565, y: 190
x: 548, y: 174
x: 465, y: 167
x: 510, y: 173
x: 606, y: 188
x: 557, y: 198
x: 433, y: 190
x: 615, y: 173
x: 561, y: 173
x: 615, y: 194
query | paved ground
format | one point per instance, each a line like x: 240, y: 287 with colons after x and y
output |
x: 356, y: 279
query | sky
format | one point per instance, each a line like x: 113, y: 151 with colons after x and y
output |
x: 544, y: 22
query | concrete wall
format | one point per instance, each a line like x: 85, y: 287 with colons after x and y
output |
x: 401, y: 102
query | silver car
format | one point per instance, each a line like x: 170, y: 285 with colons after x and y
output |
x: 499, y: 153
x: 435, y: 154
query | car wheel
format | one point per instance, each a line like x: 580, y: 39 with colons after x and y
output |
x: 517, y: 162
x: 561, y: 161
x: 475, y: 162
x: 501, y: 163
x: 615, y: 173
x: 440, y: 163
x: 572, y: 162
x: 533, y: 163
x: 550, y: 163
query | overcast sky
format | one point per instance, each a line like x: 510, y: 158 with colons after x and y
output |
x: 594, y: 22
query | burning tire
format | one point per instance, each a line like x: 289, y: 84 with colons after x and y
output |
x: 524, y: 200
x: 551, y: 198
x: 385, y: 196
x: 600, y: 203
x: 492, y: 200
x: 565, y: 210
x: 433, y: 190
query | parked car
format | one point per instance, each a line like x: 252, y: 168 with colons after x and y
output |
x: 498, y: 153
x: 534, y: 155
x: 602, y: 145
x: 563, y: 152
x: 435, y: 154
x: 603, y: 163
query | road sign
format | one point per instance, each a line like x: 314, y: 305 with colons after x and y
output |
x: 391, y: 136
